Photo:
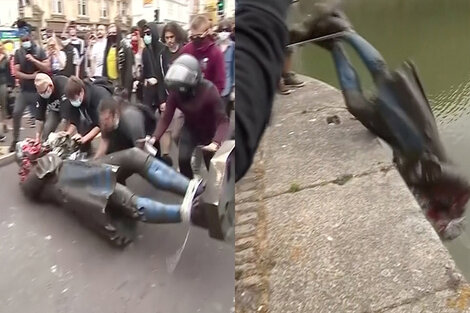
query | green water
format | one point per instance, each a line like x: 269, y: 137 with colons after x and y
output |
x: 435, y: 35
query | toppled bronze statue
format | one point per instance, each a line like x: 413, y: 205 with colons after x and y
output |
x: 401, y: 115
x: 95, y: 190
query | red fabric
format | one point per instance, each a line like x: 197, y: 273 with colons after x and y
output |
x: 31, y: 152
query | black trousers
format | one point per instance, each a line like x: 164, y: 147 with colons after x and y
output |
x: 188, y: 142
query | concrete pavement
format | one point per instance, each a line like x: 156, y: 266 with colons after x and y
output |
x: 333, y: 227
x: 51, y: 263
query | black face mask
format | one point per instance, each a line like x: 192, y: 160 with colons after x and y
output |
x: 112, y: 38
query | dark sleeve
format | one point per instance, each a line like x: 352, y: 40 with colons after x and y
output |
x: 41, y: 107
x: 145, y: 64
x: 259, y: 57
x: 221, y: 117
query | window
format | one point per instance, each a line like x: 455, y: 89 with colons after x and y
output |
x: 82, y: 7
x: 104, y: 8
x: 57, y: 6
x: 123, y: 9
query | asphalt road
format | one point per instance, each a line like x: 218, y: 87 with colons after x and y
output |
x: 50, y: 263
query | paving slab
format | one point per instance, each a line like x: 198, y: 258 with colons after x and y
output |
x: 305, y: 150
x: 341, y: 249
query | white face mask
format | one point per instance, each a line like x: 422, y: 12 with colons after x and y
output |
x: 223, y: 36
x: 26, y: 44
x: 76, y: 103
x: 147, y: 39
x: 47, y: 94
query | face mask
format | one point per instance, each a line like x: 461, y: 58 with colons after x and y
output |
x: 224, y: 36
x: 46, y: 95
x: 76, y: 103
x: 147, y: 39
x: 65, y: 42
x: 112, y: 38
x: 26, y: 45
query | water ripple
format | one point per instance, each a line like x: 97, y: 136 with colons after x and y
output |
x: 452, y: 104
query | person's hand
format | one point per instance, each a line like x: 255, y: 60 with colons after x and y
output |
x: 212, y: 147
x: 78, y: 138
x: 152, y: 140
x: 30, y: 58
x: 152, y: 81
x: 163, y: 106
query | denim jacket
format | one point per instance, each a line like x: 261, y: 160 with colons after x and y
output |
x: 229, y: 56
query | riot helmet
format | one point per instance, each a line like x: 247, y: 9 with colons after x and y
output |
x: 184, y: 74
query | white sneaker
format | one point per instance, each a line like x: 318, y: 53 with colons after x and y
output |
x: 187, y: 204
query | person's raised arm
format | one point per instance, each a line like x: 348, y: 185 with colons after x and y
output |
x: 259, y: 58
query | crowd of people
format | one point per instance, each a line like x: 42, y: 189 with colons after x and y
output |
x: 157, y: 81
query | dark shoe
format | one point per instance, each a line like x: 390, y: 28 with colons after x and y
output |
x: 3, y: 138
x: 282, y: 88
x: 12, y: 146
x: 291, y: 80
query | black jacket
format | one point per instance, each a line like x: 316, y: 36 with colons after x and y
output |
x: 125, y: 61
x: 154, y: 62
x: 69, y: 68
x: 259, y: 56
x: 86, y: 117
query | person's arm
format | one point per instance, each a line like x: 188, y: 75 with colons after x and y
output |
x: 43, y: 63
x: 93, y: 60
x: 40, y: 118
x: 259, y: 58
x: 76, y: 61
x: 102, y: 148
x: 62, y: 59
x: 91, y: 135
x: 21, y: 75
x: 165, y: 121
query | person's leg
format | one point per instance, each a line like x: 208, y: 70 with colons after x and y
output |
x: 177, y: 126
x: 288, y: 76
x: 20, y: 106
x: 136, y: 161
x: 3, y: 108
x: 397, y: 125
x: 372, y: 58
x: 186, y: 148
x: 151, y: 211
x: 150, y: 96
x: 50, y: 125
x: 165, y: 146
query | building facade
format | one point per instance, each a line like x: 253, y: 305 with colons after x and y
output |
x: 162, y: 11
x: 9, y: 12
x: 54, y: 14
